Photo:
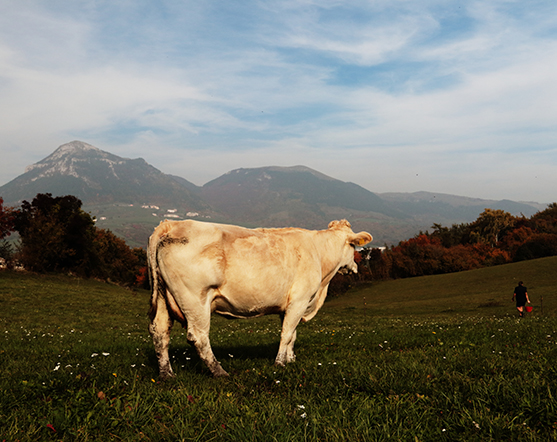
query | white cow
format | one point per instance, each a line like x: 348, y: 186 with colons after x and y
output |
x: 199, y: 268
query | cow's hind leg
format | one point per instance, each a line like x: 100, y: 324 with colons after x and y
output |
x: 198, y: 335
x: 160, y: 326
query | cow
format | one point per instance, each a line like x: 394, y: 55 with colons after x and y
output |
x: 199, y: 268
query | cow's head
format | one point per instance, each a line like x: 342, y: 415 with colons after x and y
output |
x: 352, y: 240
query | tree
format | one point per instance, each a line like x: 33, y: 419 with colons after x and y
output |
x: 417, y: 256
x: 6, y: 220
x: 546, y: 220
x: 450, y: 237
x: 6, y: 228
x: 56, y: 234
x: 537, y: 246
x: 115, y: 261
x: 491, y: 225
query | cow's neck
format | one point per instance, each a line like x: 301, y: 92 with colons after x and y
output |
x: 330, y: 245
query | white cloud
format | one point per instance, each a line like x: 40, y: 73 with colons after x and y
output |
x: 427, y: 95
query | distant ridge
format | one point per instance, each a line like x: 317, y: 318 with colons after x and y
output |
x: 452, y: 208
x: 130, y: 197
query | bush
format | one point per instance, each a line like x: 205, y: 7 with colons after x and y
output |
x: 539, y: 246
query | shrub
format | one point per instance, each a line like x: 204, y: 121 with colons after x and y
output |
x: 538, y: 246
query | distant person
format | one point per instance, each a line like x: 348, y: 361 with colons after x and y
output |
x: 521, y: 295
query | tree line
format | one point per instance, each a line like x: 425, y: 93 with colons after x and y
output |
x: 496, y: 237
x: 57, y: 235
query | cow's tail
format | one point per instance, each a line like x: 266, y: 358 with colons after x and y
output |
x: 157, y: 283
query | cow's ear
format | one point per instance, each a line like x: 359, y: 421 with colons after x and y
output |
x: 360, y: 239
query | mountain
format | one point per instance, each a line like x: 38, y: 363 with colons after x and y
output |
x: 130, y: 197
x: 451, y: 209
x: 98, y: 177
x: 291, y: 196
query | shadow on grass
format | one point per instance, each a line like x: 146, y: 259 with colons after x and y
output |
x: 255, y: 351
x: 185, y: 356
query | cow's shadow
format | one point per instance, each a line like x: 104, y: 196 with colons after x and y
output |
x: 183, y: 356
x: 255, y: 351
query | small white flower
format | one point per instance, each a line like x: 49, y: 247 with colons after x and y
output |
x: 301, y: 407
x: 303, y: 416
x: 277, y: 382
x: 57, y: 367
x: 230, y: 355
x: 105, y: 354
x: 94, y: 355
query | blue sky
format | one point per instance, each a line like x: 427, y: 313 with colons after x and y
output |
x: 395, y: 95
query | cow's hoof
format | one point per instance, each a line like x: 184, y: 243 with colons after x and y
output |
x: 220, y: 374
x: 166, y: 376
x: 218, y: 371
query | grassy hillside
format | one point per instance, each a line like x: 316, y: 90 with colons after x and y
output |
x: 483, y: 292
x: 411, y: 360
x: 63, y: 300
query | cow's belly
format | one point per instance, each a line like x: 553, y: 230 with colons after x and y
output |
x: 222, y: 307
x: 247, y: 302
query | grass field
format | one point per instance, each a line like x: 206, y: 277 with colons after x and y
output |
x: 439, y: 358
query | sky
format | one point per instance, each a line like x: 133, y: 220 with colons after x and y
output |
x: 444, y: 96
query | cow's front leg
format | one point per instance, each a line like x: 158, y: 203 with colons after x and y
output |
x: 290, y: 356
x: 287, y: 338
x: 160, y: 326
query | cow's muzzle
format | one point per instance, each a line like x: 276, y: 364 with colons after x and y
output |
x: 346, y: 270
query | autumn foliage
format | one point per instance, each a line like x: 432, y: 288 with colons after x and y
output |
x: 56, y: 235
x: 496, y: 237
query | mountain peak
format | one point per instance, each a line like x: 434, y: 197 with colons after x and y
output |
x: 263, y: 171
x: 98, y: 177
x: 74, y: 147
x: 302, y: 169
x: 62, y: 159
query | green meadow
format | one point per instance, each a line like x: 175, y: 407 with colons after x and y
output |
x: 441, y: 358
